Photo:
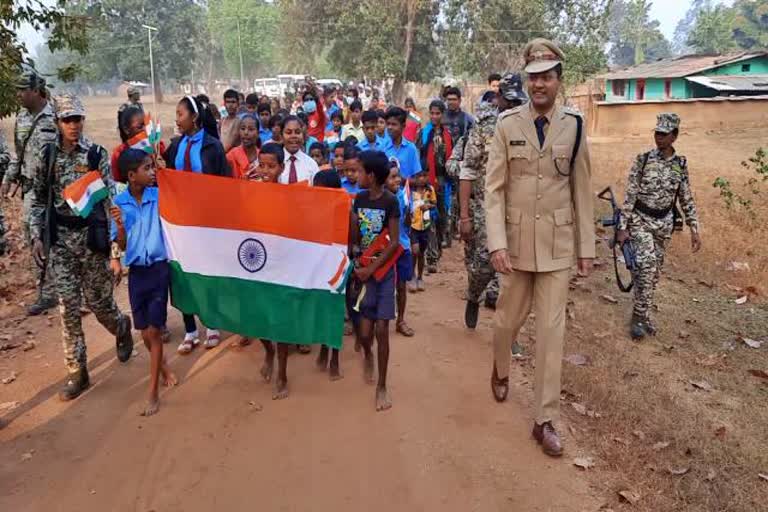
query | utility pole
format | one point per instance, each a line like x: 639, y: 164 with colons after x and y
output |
x: 152, y: 66
x: 240, y: 50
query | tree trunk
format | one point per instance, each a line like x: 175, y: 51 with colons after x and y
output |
x: 398, y: 91
x: 398, y: 88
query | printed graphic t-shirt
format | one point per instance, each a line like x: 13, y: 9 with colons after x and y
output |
x: 373, y: 215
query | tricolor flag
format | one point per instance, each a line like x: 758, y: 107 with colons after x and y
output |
x: 141, y: 142
x: 262, y: 260
x: 83, y: 194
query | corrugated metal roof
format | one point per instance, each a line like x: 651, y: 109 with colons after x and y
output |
x: 679, y: 67
x: 751, y: 83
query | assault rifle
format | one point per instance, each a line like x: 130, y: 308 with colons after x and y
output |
x: 625, y: 249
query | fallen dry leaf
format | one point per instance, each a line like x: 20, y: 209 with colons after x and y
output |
x: 621, y: 440
x: 763, y: 476
x: 683, y: 335
x: 579, y: 408
x: 602, y: 335
x: 27, y: 455
x: 10, y: 378
x: 660, y: 445
x: 701, y: 384
x: 752, y: 343
x: 720, y: 433
x: 759, y: 373
x: 577, y: 359
x: 609, y: 299
x: 708, y: 284
x: 741, y: 300
x: 28, y: 345
x: 639, y: 434
x: 630, y: 497
x: 9, y: 406
x: 678, y: 471
x: 584, y: 462
x: 710, y: 475
x: 737, y: 266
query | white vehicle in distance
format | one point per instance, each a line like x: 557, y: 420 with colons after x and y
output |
x: 267, y: 86
x: 326, y: 82
x: 286, y: 81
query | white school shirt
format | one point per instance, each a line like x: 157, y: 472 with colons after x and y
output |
x: 306, y: 168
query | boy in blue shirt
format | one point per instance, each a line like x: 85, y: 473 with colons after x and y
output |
x: 265, y: 113
x: 371, y: 140
x: 136, y: 229
x: 404, y: 265
x: 402, y: 149
x: 352, y: 168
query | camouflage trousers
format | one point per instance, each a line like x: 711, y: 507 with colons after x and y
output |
x: 650, y: 238
x: 48, y: 289
x: 81, y: 273
x: 480, y: 273
x: 2, y: 231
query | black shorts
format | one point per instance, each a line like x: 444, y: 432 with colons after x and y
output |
x: 420, y: 237
x: 148, y: 293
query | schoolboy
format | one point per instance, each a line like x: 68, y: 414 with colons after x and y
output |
x: 402, y: 149
x: 404, y: 266
x: 318, y: 153
x: 423, y: 199
x: 355, y: 126
x: 136, y: 229
x: 352, y: 169
x: 374, y: 210
x: 333, y: 136
x: 265, y: 113
x: 370, y: 139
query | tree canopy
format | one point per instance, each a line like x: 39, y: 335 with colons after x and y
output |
x: 713, y: 31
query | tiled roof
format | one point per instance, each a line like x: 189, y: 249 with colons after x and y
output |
x: 724, y: 83
x: 679, y: 67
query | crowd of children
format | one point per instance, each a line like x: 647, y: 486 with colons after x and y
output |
x: 384, y: 157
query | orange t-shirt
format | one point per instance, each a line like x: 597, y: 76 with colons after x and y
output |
x: 238, y: 162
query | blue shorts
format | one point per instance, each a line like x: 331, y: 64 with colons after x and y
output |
x: 379, y: 300
x: 148, y: 293
x: 404, y: 267
x: 421, y: 238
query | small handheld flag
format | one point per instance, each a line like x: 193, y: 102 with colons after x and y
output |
x: 85, y: 193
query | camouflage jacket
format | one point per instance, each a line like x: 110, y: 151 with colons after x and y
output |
x: 472, y: 167
x: 656, y: 182
x: 44, y: 132
x: 69, y: 167
x: 5, y: 156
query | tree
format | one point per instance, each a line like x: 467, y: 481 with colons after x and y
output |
x: 685, y: 26
x: 634, y: 37
x: 250, y: 25
x: 713, y: 32
x: 66, y: 32
x: 750, y: 26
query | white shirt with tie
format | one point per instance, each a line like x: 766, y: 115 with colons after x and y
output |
x: 306, y: 168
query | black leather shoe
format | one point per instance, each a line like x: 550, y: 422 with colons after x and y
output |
x: 76, y: 384
x: 41, y: 306
x: 637, y: 328
x: 470, y: 314
x: 124, y: 339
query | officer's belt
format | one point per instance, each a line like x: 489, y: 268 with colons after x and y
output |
x: 70, y: 222
x: 656, y: 213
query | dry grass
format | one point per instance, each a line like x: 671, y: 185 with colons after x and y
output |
x: 643, y: 392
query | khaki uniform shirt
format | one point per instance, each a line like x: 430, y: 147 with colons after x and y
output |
x: 542, y: 216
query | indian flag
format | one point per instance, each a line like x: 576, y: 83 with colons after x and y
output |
x: 141, y: 142
x: 83, y: 194
x: 258, y: 259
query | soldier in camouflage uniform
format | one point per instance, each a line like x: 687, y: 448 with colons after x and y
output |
x: 80, y: 271
x: 34, y: 128
x: 134, y: 99
x: 657, y: 181
x: 5, y: 158
x: 480, y: 272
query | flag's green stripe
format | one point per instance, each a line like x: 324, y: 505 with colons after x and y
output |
x: 260, y: 310
x: 97, y: 196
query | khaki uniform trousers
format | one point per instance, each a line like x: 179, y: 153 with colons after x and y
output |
x: 547, y: 292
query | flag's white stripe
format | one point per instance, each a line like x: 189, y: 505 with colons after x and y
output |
x: 289, y: 262
x: 92, y: 188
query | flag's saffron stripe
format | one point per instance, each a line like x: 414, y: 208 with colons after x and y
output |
x: 76, y: 190
x: 302, y: 213
x: 258, y: 309
x: 82, y: 195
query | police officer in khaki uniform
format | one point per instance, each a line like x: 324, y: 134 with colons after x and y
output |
x: 539, y: 214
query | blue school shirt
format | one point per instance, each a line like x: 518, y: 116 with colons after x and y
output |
x: 194, y: 154
x: 381, y: 144
x: 408, y: 157
x: 265, y: 134
x: 352, y: 189
x: 405, y: 230
x: 310, y: 140
x: 145, y: 244
x: 329, y: 113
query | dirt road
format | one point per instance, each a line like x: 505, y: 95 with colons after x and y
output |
x: 221, y: 443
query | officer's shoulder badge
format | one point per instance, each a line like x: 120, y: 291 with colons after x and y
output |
x: 511, y: 112
x: 572, y: 112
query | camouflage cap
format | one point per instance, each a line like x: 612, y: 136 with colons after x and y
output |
x: 68, y: 105
x: 29, y: 78
x: 541, y: 55
x: 132, y: 89
x: 667, y: 122
x: 511, y: 87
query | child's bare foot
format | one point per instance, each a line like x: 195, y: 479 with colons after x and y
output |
x: 169, y: 378
x: 383, y: 402
x: 281, y: 389
x: 266, y: 369
x: 334, y: 373
x: 368, y: 369
x: 322, y: 359
x: 358, y: 346
x: 152, y: 406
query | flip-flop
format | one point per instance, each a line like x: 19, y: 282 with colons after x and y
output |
x: 187, y: 346
x: 499, y: 383
x: 303, y: 349
x: 403, y: 329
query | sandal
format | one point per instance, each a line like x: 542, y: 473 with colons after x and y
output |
x: 187, y: 346
x: 499, y: 383
x: 403, y: 329
x: 212, y: 340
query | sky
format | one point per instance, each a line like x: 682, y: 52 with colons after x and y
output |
x: 668, y: 12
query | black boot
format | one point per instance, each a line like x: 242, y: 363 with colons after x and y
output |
x: 637, y: 329
x: 124, y: 339
x: 490, y: 302
x: 41, y: 306
x: 76, y: 384
x: 470, y: 314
